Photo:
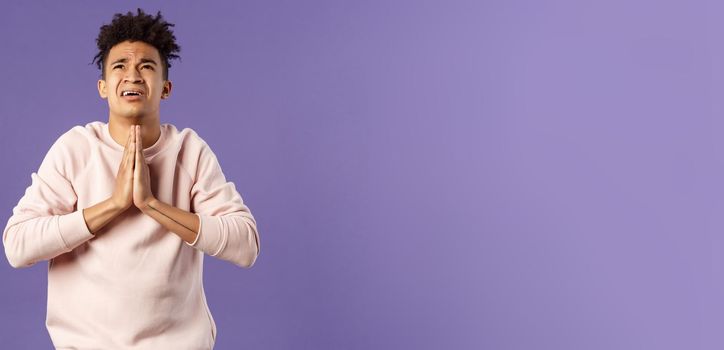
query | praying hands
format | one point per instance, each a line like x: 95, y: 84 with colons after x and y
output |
x: 133, y: 188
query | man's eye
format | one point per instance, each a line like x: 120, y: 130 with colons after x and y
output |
x: 148, y: 67
x: 118, y: 66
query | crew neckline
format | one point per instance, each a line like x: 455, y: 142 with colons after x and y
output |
x: 147, y: 152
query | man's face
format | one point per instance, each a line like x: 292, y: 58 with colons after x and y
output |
x: 133, y: 83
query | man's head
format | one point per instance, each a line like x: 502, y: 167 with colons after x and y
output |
x: 134, y: 54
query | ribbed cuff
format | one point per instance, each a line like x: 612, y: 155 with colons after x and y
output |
x: 209, y: 238
x: 193, y: 244
x: 73, y: 229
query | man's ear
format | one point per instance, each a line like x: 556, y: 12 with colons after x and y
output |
x: 102, y: 89
x: 167, y: 86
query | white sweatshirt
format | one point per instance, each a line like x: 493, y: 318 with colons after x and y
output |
x: 134, y: 284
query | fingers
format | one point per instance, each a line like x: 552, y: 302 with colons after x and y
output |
x: 127, y: 145
x: 128, y: 139
x: 138, y: 147
x: 128, y: 151
x: 131, y: 147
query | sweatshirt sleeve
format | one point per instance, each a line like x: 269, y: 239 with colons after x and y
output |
x: 227, y: 228
x: 45, y: 222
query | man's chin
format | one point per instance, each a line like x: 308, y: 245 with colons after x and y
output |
x: 129, y: 115
x: 131, y: 112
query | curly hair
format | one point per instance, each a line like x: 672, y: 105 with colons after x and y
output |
x: 154, y: 31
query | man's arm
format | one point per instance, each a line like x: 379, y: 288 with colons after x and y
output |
x: 178, y: 221
x: 228, y: 237
x: 45, y: 223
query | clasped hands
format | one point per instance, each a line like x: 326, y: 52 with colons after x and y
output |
x: 133, y: 181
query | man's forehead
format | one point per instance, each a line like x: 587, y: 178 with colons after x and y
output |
x: 134, y: 51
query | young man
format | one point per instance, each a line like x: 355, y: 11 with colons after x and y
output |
x: 125, y: 211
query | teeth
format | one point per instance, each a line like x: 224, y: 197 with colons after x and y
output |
x: 126, y: 93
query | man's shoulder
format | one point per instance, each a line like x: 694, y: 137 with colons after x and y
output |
x: 187, y: 138
x: 193, y: 152
x: 70, y: 151
x: 79, y: 137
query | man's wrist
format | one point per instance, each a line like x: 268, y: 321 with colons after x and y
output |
x: 114, y: 207
x: 149, y: 205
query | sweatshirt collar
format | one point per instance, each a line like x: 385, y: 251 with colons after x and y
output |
x: 147, y: 152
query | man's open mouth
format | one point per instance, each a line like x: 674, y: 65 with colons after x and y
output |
x: 131, y: 93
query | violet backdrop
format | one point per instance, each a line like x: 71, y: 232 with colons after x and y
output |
x: 424, y: 174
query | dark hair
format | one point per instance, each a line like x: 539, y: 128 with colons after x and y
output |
x: 154, y: 31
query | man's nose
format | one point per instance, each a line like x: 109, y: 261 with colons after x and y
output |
x: 133, y: 76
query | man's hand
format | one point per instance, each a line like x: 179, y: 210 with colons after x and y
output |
x: 122, y: 196
x: 142, y: 194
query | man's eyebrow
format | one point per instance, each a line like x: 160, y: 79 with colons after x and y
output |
x: 143, y: 60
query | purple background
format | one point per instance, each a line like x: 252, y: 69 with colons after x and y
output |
x: 425, y: 175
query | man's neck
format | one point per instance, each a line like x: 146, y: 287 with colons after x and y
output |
x: 150, y: 129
